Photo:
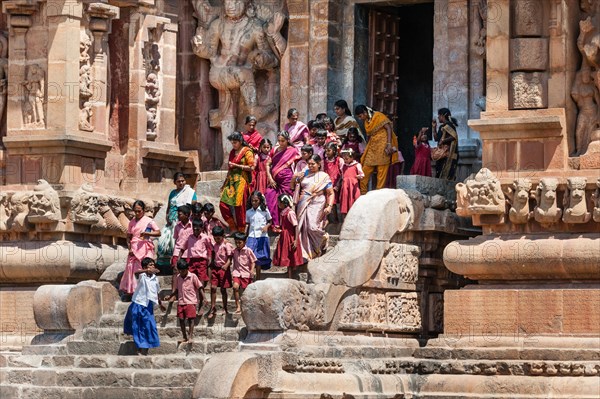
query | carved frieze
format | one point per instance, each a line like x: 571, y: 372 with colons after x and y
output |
x: 84, y: 206
x: 303, y: 308
x: 480, y: 196
x: 44, y: 204
x: 400, y: 265
x: 379, y: 310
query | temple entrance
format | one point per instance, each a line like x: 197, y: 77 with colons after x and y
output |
x: 400, y: 67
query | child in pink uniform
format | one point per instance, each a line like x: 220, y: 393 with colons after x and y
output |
x: 220, y: 276
x: 186, y: 293
x: 198, y: 252
x: 352, y: 173
x: 243, y: 269
x: 332, y: 165
x: 261, y: 177
x: 288, y: 252
x: 181, y: 233
x: 210, y: 221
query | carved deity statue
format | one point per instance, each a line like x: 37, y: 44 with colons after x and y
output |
x: 152, y: 99
x: 519, y: 195
x: 481, y: 196
x: 3, y: 73
x: 574, y: 201
x: 587, y: 97
x: 482, y: 10
x: 241, y: 41
x: 85, y: 82
x: 547, y: 210
x: 35, y: 88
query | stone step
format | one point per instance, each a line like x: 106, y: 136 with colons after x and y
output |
x: 168, y: 333
x: 201, y: 345
x: 95, y: 377
x: 508, y: 353
x: 176, y: 361
x: 170, y: 319
x: 33, y: 392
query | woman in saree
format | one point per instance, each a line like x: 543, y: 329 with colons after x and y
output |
x: 445, y: 168
x: 382, y: 148
x: 183, y: 194
x: 280, y: 171
x: 314, y: 204
x: 252, y: 136
x: 140, y: 231
x: 298, y: 131
x: 236, y: 187
x: 344, y: 119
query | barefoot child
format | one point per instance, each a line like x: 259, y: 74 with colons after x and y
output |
x: 351, y: 173
x: 198, y: 251
x: 288, y: 252
x: 181, y: 233
x: 220, y: 276
x: 422, y: 165
x: 139, y: 320
x: 258, y: 221
x: 186, y: 293
x: 210, y: 221
x: 261, y: 177
x: 243, y: 267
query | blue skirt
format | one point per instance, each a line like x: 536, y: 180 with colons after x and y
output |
x: 140, y: 322
x: 261, y: 248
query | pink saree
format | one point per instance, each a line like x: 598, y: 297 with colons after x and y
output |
x: 298, y: 134
x: 312, y: 201
x: 282, y: 164
x: 140, y: 249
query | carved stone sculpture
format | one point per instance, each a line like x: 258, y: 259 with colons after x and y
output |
x: 152, y: 99
x: 84, y: 206
x: 85, y: 117
x: 85, y: 82
x: 482, y: 195
x: 481, y: 39
x: 519, y: 194
x: 547, y: 210
x: 3, y: 74
x: 19, y: 209
x: 4, y: 211
x: 35, y: 89
x: 45, y: 204
x: 596, y: 198
x: 574, y: 201
x: 400, y: 264
x: 587, y: 97
x: 241, y: 41
x: 403, y: 310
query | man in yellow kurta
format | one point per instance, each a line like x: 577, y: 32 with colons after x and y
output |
x: 381, y: 150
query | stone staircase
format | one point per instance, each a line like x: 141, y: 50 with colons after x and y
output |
x: 102, y: 362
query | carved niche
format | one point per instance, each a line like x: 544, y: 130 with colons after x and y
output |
x: 152, y: 57
x: 85, y: 82
x: 547, y: 210
x: 574, y: 201
x: 35, y: 97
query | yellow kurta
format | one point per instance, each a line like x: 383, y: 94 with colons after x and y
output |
x: 374, y: 154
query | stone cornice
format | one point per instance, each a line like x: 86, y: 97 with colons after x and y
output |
x: 58, y: 144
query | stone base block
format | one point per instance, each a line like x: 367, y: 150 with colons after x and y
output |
x: 501, y: 311
x: 17, y: 325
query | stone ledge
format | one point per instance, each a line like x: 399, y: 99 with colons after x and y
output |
x: 57, y: 144
x: 163, y: 152
x: 521, y: 126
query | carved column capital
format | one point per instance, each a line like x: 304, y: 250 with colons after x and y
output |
x: 101, y: 16
x: 20, y: 14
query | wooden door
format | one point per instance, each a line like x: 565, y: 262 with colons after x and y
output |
x: 384, y: 48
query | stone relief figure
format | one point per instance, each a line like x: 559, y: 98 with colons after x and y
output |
x: 243, y: 40
x: 3, y: 74
x: 19, y: 209
x: 85, y: 117
x: 574, y: 201
x: 35, y: 89
x: 587, y: 98
x: 482, y: 10
x: 152, y: 99
x: 547, y: 210
x: 84, y: 206
x: 518, y: 195
x: 481, y: 196
x: 44, y: 204
x: 4, y: 211
x: 595, y: 197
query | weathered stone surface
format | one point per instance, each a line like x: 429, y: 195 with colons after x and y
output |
x: 529, y: 90
x: 529, y: 54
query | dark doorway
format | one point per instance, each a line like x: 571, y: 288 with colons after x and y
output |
x: 412, y: 86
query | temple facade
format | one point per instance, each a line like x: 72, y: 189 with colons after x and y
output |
x: 101, y: 102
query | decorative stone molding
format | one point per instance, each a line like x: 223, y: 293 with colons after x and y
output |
x: 400, y: 265
x: 329, y: 366
x: 480, y: 196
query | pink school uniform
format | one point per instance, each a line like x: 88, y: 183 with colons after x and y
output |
x: 242, y: 266
x: 140, y: 249
x: 222, y: 253
x: 350, y: 188
x: 198, y: 253
x: 187, y: 295
x: 181, y: 233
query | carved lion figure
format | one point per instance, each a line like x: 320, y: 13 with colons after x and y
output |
x: 547, y: 211
x: 574, y: 201
x: 519, y: 195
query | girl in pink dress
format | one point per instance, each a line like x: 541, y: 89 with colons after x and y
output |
x: 351, y: 173
x: 332, y: 165
x: 261, y: 180
x: 298, y: 131
x: 422, y: 165
x: 354, y: 141
x: 141, y: 229
x: 288, y: 252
